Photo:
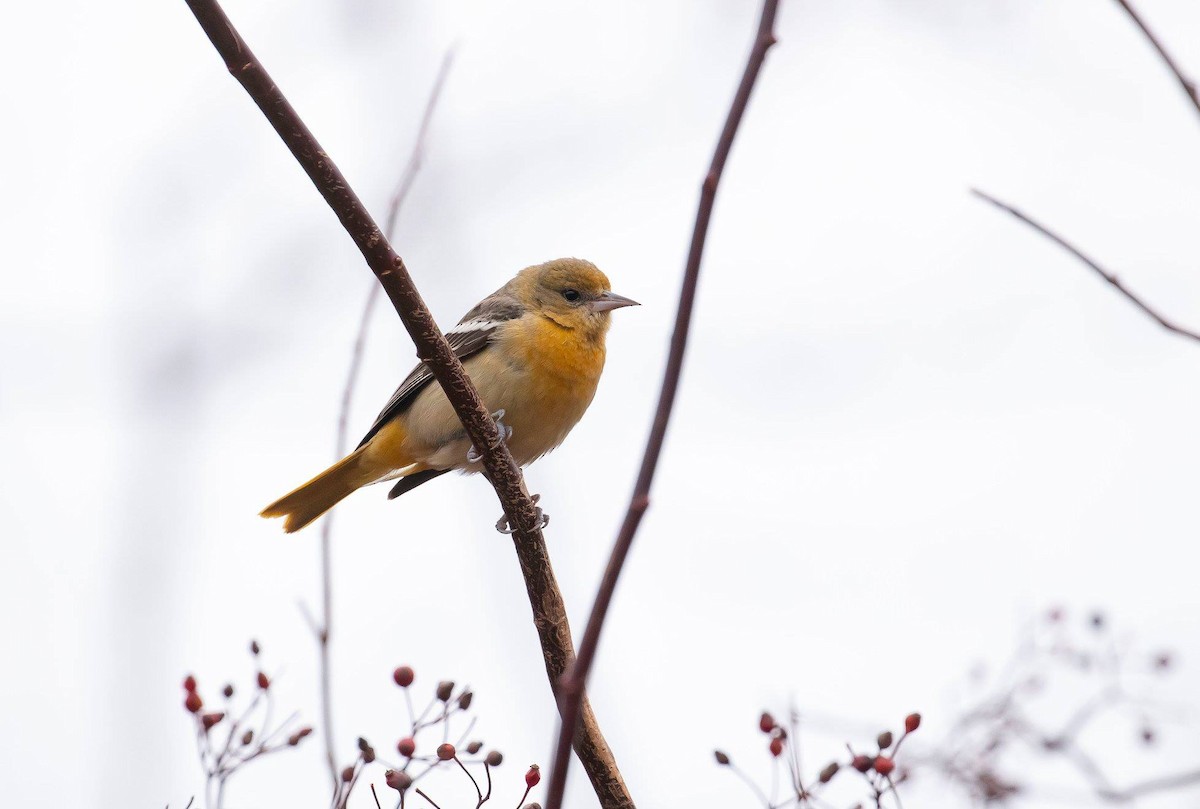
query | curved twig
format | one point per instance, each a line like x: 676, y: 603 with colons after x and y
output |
x: 1091, y: 263
x: 1189, y: 86
x: 571, y: 687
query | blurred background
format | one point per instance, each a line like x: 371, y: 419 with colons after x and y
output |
x: 908, y: 425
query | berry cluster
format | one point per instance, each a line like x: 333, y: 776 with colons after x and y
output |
x: 229, y: 739
x: 878, y: 770
x: 419, y: 755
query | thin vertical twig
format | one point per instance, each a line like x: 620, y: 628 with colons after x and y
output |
x: 412, y: 167
x: 1189, y: 86
x: 1091, y: 264
x: 571, y: 687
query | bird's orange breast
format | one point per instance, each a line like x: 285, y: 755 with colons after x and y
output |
x: 541, y: 374
x: 566, y: 360
x: 559, y: 370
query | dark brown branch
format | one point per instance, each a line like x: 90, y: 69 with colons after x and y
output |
x: 322, y: 632
x: 1189, y: 86
x: 571, y: 687
x: 1103, y: 273
x: 549, y: 612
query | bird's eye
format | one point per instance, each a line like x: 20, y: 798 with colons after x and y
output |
x: 571, y: 294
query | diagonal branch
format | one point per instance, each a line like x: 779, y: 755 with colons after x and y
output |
x: 571, y: 686
x: 1103, y: 273
x: 322, y: 632
x: 1189, y: 86
x: 545, y: 598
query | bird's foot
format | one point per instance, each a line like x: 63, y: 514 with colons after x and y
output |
x: 474, y: 455
x: 505, y: 527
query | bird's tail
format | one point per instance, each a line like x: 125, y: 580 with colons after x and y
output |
x: 305, y: 504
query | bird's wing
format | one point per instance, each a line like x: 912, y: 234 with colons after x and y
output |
x: 472, y: 334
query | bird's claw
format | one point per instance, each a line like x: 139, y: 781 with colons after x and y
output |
x: 474, y: 455
x: 505, y: 527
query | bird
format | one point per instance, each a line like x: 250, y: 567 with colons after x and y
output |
x: 535, y: 349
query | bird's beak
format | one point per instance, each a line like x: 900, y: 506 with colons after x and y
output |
x: 609, y: 301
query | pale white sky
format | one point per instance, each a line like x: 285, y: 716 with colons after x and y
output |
x: 906, y: 424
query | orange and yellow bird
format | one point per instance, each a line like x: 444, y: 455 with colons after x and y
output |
x: 534, y: 349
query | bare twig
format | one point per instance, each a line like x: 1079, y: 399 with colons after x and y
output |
x: 474, y: 782
x: 755, y: 788
x: 1107, y: 276
x: 426, y: 797
x: 1104, y: 789
x: 322, y: 632
x: 1141, y: 789
x: 571, y: 686
x: 1189, y: 86
x: 549, y: 611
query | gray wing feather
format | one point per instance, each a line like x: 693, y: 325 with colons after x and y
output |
x: 472, y: 334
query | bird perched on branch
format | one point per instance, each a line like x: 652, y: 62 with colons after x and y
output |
x: 534, y: 349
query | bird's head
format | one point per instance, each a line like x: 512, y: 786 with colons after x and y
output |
x: 571, y: 292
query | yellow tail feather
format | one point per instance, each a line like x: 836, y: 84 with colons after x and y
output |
x: 305, y: 504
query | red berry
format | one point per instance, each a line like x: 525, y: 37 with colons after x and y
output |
x: 829, y: 771
x: 533, y: 776
x: 189, y: 683
x: 403, y: 676
x: 398, y: 780
x: 776, y: 747
x: 494, y: 758
x: 884, y: 765
x: 227, y: 690
x: 210, y: 719
x: 348, y: 774
x: 193, y: 702
x: 722, y: 757
x: 407, y: 746
x: 263, y: 681
x: 766, y: 722
x: 445, y: 752
x: 862, y: 763
x: 912, y: 722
